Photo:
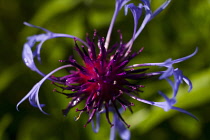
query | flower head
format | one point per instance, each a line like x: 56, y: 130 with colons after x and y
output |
x: 104, y: 80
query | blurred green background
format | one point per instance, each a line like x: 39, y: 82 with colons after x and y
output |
x: 174, y: 33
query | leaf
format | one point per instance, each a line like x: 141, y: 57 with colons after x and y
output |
x: 5, y: 121
x: 49, y: 10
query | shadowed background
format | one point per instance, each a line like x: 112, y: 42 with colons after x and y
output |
x: 174, y: 33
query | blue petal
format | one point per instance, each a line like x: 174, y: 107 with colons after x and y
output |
x: 156, y: 12
x: 185, y: 58
x: 147, y: 17
x: 30, y: 25
x: 161, y: 8
x: 112, y: 133
x: 185, y: 79
x: 136, y: 11
x: 118, y: 5
x: 119, y: 127
x: 188, y: 82
x: 97, y: 126
x: 168, y: 64
x: 164, y: 105
x: 171, y: 83
x: 169, y: 102
x: 27, y: 57
x: 34, y: 92
x: 185, y: 112
x: 43, y: 37
x: 33, y: 97
x: 178, y: 78
x: 122, y: 130
x: 121, y: 3
x: 167, y: 73
x: 147, y: 6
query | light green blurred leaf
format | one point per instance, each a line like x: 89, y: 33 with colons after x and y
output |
x: 187, y: 127
x: 100, y: 19
x: 5, y: 121
x: 49, y: 10
x: 8, y: 75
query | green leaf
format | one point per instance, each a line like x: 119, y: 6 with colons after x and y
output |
x: 50, y: 10
x: 5, y: 121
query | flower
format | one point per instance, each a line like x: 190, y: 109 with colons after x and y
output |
x: 103, y: 81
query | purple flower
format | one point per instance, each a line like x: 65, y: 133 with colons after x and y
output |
x: 104, y: 80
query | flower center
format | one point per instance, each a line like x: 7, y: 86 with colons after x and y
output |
x: 101, y: 80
